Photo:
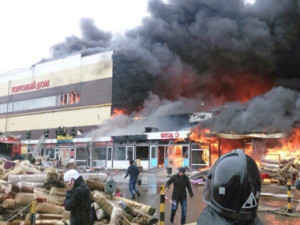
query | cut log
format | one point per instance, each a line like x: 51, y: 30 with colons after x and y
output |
x: 116, y: 214
x: 144, y: 208
x: 30, y: 170
x: 16, y: 171
x: 43, y: 194
x: 49, y: 208
x: 107, y: 207
x: 5, y: 188
x: 24, y: 198
x: 32, y: 178
x: 9, y: 204
x: 54, y: 180
x: 268, y: 165
x: 94, y: 176
x: 49, y: 217
x: 95, y: 185
x: 58, y: 191
x: 40, y: 222
x: 27, y: 186
x: 66, y: 215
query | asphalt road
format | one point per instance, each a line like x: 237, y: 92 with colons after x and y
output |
x: 152, y: 180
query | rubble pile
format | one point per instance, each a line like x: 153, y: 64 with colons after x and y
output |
x: 21, y: 183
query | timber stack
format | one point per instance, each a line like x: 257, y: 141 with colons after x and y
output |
x: 278, y: 171
x: 21, y: 183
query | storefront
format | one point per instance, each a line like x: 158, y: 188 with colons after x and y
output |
x: 169, y: 149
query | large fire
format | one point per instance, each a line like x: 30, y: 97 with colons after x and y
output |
x: 288, y: 148
x: 280, y: 149
x: 202, y: 136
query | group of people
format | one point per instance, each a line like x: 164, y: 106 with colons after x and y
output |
x: 231, y: 192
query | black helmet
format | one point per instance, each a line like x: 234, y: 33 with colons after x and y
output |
x: 233, y: 186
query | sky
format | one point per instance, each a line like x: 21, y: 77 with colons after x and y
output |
x: 29, y: 28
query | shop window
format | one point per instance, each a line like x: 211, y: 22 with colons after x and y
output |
x: 109, y: 150
x: 198, y: 158
x: 185, y: 152
x: 99, y: 154
x: 50, y: 153
x: 142, y: 152
x: 129, y: 153
x: 69, y: 98
x: 119, y: 153
x: 81, y: 154
x: 153, y: 152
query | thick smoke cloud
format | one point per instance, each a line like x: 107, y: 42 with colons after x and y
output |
x: 275, y: 111
x: 93, y: 40
x: 225, y: 50
x: 156, y: 112
x: 187, y: 47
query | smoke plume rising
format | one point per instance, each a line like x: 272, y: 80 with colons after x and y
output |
x: 223, y: 50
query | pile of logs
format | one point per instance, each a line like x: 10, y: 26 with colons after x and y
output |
x: 21, y: 183
x: 279, y: 171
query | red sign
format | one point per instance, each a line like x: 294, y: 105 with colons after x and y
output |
x: 8, y: 139
x: 169, y: 135
x: 31, y: 86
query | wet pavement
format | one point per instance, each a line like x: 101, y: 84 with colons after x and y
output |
x: 152, y: 180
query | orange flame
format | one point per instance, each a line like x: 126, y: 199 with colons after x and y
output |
x: 117, y: 112
x: 209, y: 145
x: 175, y: 156
x: 289, y: 148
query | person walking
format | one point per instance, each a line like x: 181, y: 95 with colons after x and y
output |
x: 133, y: 171
x: 78, y: 198
x: 180, y: 183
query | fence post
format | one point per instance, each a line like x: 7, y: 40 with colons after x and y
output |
x: 162, y: 205
x: 33, y: 212
x: 289, y: 196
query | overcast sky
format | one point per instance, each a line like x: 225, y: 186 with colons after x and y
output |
x: 29, y: 28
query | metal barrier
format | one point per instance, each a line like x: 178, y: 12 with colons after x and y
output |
x: 162, y: 205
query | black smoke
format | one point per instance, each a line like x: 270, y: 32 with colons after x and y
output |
x: 187, y: 47
x: 93, y: 40
x: 276, y: 111
x: 218, y: 48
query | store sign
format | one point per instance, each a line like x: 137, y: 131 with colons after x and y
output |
x: 168, y: 135
x: 64, y: 139
x: 31, y: 86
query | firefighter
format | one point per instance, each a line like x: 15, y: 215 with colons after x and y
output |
x: 232, y: 191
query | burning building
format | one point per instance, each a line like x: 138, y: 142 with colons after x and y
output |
x: 187, y: 56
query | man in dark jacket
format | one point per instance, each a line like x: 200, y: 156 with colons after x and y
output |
x: 78, y: 199
x: 180, y: 183
x: 134, y: 172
